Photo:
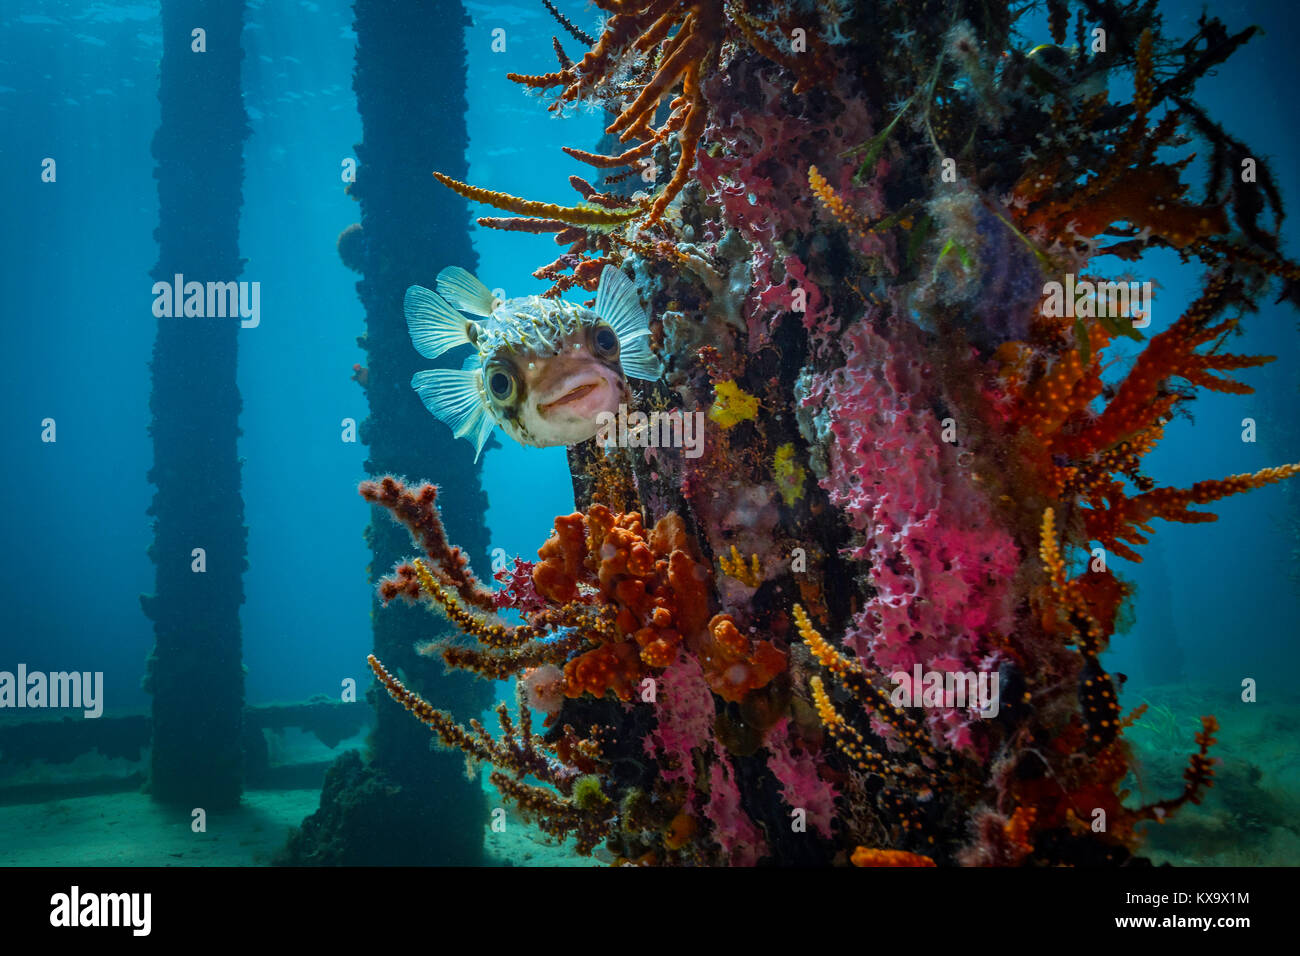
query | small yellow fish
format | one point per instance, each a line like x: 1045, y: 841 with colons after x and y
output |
x: 542, y: 369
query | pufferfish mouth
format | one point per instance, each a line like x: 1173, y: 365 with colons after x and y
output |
x: 574, y: 394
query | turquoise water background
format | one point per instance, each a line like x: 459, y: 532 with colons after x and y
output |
x: 78, y: 83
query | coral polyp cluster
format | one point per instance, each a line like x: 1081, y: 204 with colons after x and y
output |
x: 612, y: 612
x: 879, y: 249
x: 611, y: 602
x: 647, y: 69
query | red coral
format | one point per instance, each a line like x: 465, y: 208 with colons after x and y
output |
x: 518, y: 589
x: 418, y: 511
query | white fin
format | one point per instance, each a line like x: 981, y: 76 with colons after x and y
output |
x: 484, y: 431
x: 464, y: 291
x: 639, y: 362
x: 617, y: 304
x: 435, y: 326
x: 453, y: 397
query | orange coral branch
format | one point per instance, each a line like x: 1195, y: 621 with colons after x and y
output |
x: 418, y: 511
x: 688, y: 139
x: 864, y: 856
x: 1139, y: 399
x: 591, y: 194
x: 1125, y: 516
x: 539, y: 81
x: 610, y: 162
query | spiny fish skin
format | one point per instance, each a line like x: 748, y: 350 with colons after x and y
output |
x: 543, y: 369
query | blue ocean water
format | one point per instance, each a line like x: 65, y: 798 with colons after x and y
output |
x: 1215, y: 603
x: 80, y: 85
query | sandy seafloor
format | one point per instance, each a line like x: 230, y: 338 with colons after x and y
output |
x: 129, y: 829
x: 1251, y: 817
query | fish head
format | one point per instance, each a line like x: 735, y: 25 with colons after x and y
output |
x: 545, y: 370
x: 554, y: 395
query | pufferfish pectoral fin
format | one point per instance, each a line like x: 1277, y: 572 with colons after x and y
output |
x: 464, y: 291
x: 453, y: 396
x: 434, y: 325
x: 617, y: 304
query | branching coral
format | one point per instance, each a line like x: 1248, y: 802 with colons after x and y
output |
x: 858, y: 279
x: 417, y: 510
x: 549, y: 213
x: 1127, y: 186
x: 1142, y: 398
x: 734, y: 566
x: 1083, y: 455
x: 610, y: 608
x: 663, y: 43
x: 561, y: 808
x: 1125, y: 518
x: 647, y: 53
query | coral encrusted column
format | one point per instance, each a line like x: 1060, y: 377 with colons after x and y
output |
x: 408, y: 804
x: 199, y: 547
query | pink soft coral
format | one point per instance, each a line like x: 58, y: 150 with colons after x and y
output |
x: 684, y: 711
x: 801, y: 787
x: 740, y: 840
x: 940, y: 565
x: 759, y: 180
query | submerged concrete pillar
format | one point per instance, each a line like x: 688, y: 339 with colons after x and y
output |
x: 199, y: 547
x: 407, y: 804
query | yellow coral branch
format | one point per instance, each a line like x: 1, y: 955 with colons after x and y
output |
x: 734, y: 567
x: 852, y: 676
x: 573, y: 215
x: 830, y: 658
x: 1050, y: 552
x: 847, y: 738
x: 832, y: 200
x: 490, y: 633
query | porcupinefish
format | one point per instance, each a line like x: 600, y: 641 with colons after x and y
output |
x: 542, y: 369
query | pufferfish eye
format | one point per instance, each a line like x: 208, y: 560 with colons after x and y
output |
x: 604, y: 342
x: 501, y: 384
